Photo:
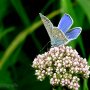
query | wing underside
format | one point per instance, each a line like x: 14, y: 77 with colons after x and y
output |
x: 58, y: 37
x: 47, y: 23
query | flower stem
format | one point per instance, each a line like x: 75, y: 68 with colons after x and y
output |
x: 53, y: 89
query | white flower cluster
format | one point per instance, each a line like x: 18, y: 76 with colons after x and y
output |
x: 63, y: 65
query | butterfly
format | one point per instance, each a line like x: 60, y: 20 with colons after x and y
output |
x: 62, y: 34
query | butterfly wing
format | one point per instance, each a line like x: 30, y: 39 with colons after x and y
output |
x: 47, y: 23
x: 74, y: 33
x: 65, y: 23
x: 58, y: 37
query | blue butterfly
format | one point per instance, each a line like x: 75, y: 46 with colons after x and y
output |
x: 61, y: 34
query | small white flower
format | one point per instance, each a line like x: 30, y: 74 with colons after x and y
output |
x: 61, y: 64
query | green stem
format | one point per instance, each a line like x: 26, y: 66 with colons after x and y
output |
x: 21, y: 12
x: 53, y: 89
x: 85, y: 86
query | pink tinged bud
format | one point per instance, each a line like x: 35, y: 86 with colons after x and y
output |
x: 49, y: 58
x: 70, y: 87
x: 61, y: 54
x: 61, y: 70
x: 59, y: 65
x: 62, y: 50
x: 68, y: 81
x: 43, y: 71
x: 56, y: 49
x: 75, y: 63
x: 62, y: 82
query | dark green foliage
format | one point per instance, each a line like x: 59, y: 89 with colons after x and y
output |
x: 22, y: 38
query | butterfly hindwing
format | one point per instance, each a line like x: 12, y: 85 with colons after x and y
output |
x: 74, y: 33
x: 65, y: 23
x: 58, y: 37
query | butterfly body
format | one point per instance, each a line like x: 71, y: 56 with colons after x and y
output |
x: 62, y: 34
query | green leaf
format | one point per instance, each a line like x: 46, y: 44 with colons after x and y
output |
x: 3, y: 8
x: 25, y: 19
x: 79, y: 14
x: 67, y: 7
x: 80, y: 42
x: 6, y: 81
x: 89, y: 60
x: 73, y: 43
x: 29, y: 80
x: 6, y: 31
x: 85, y: 4
x: 13, y: 58
x: 21, y: 12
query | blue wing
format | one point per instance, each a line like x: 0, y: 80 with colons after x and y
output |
x: 74, y: 33
x: 65, y: 23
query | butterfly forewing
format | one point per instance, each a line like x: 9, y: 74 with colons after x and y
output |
x: 47, y: 23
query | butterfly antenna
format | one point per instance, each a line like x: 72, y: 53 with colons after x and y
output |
x: 45, y: 46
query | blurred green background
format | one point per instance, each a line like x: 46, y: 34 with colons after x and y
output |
x: 22, y: 37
